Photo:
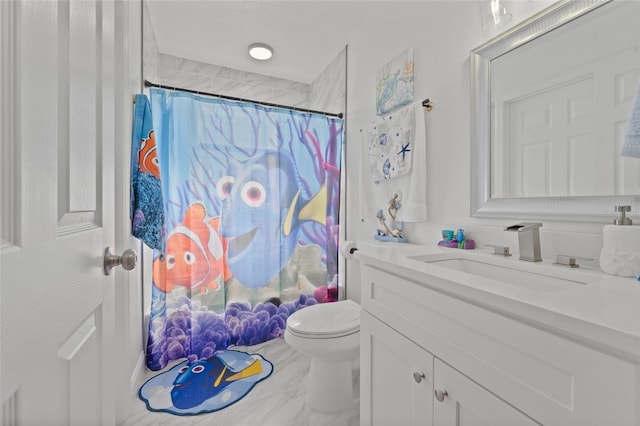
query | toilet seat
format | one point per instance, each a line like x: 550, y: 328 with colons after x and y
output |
x: 322, y: 336
x: 326, y: 320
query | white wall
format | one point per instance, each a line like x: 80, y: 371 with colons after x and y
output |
x: 442, y: 34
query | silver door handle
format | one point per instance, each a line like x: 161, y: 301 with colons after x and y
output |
x: 440, y: 394
x: 128, y: 260
x: 418, y: 376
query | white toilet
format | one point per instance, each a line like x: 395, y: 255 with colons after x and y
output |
x: 330, y: 334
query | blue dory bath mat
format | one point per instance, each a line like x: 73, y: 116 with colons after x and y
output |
x: 205, y: 386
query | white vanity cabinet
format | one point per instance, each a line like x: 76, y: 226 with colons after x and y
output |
x: 402, y: 384
x: 496, y: 369
x: 465, y: 403
x: 397, y: 386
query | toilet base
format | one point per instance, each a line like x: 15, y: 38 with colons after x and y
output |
x: 330, y: 386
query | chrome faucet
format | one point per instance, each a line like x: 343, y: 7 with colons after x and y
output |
x: 528, y: 240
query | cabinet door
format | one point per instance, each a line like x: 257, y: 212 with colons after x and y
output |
x: 396, y: 377
x: 468, y: 404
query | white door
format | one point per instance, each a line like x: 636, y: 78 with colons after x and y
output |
x: 552, y: 145
x: 562, y: 127
x: 57, y: 352
x: 128, y: 286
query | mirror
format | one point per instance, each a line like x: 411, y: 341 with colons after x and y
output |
x: 550, y: 102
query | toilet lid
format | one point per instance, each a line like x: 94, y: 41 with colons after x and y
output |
x: 326, y: 319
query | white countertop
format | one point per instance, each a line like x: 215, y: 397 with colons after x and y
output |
x: 602, y: 311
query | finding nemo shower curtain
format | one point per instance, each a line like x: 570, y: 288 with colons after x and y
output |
x: 251, y: 202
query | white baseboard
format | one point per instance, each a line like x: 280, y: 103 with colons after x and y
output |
x: 138, y: 374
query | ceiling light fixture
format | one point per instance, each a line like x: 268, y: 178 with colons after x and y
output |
x: 260, y: 51
x: 494, y: 14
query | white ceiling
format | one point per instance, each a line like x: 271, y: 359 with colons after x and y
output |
x: 306, y: 35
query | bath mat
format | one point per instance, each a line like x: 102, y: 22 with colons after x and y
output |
x: 205, y: 386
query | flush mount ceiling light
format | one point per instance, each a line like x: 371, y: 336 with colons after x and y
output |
x: 260, y: 51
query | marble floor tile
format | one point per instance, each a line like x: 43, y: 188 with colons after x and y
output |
x: 277, y: 401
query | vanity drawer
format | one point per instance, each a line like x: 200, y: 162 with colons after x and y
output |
x: 550, y: 378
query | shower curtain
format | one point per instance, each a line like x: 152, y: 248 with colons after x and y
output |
x: 251, y: 202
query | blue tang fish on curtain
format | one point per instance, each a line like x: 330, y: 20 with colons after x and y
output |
x: 251, y: 200
x: 258, y: 224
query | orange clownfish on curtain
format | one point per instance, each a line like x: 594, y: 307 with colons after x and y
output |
x: 195, y: 256
x: 148, y: 156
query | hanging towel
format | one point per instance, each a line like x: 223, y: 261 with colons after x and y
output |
x: 146, y: 210
x: 631, y: 147
x: 377, y: 191
x: 390, y: 140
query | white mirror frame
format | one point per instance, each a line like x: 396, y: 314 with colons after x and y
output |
x: 583, y: 209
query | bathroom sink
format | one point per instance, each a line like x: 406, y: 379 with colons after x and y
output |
x: 543, y: 279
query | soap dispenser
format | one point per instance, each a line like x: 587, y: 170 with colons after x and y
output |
x: 620, y: 253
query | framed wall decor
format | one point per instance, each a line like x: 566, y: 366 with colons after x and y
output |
x: 394, y: 83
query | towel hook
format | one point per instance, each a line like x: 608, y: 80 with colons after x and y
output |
x: 427, y: 104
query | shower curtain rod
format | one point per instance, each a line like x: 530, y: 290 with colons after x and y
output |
x: 147, y: 83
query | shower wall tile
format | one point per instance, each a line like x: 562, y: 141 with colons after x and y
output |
x: 180, y: 72
x: 243, y: 90
x: 150, y: 52
x: 237, y: 75
x: 221, y: 85
x: 245, y: 77
x: 169, y: 61
x: 188, y: 80
x: 291, y: 86
x: 326, y: 93
x: 328, y: 90
x: 182, y: 64
x: 295, y: 99
x: 227, y: 87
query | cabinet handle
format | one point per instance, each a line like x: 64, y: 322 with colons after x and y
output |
x: 440, y: 394
x: 418, y: 376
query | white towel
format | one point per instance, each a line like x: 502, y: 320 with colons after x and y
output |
x: 631, y: 147
x: 376, y: 193
x: 390, y: 142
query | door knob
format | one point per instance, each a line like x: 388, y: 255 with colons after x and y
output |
x: 418, y: 376
x: 440, y: 394
x: 128, y: 260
